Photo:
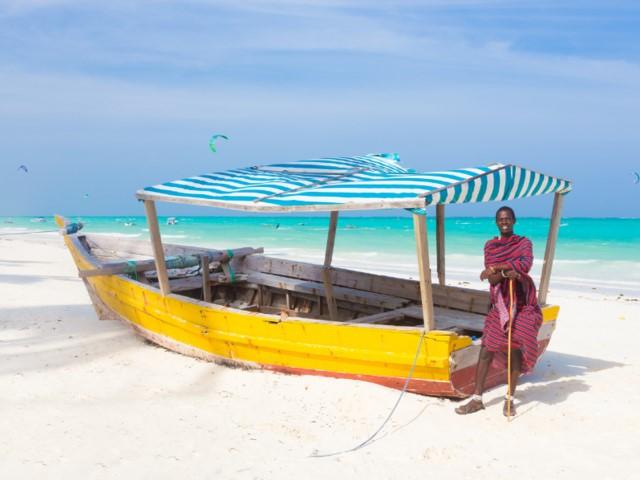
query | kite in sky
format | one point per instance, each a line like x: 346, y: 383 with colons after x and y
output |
x: 636, y: 177
x: 212, y: 141
x: 23, y: 167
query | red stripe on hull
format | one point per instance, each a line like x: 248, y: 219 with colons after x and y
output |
x: 461, y: 385
x: 421, y: 387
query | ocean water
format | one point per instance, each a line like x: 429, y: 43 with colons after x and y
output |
x: 591, y: 253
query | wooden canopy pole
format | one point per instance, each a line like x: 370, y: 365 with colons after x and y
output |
x: 156, y: 244
x: 440, y: 242
x: 206, y: 281
x: 326, y: 270
x: 422, y: 249
x: 550, y: 249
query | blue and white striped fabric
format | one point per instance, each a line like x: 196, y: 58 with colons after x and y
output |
x: 340, y: 183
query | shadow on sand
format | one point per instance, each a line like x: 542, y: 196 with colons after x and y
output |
x: 49, y: 337
x: 11, y: 263
x: 556, y: 377
x: 28, y: 279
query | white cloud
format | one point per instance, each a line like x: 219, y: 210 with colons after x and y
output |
x: 255, y: 35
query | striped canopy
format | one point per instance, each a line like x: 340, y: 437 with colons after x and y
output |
x: 374, y: 181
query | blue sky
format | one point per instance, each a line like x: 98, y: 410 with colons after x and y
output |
x: 108, y: 97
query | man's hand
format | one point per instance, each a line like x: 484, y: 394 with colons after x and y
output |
x: 487, y: 272
x: 511, y: 274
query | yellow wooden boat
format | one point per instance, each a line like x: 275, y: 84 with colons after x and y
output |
x: 244, y: 308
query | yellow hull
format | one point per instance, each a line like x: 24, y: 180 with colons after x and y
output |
x: 382, y: 354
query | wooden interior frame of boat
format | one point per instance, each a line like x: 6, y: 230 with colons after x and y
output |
x: 286, y: 288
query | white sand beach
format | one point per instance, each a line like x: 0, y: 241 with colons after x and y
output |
x: 83, y: 398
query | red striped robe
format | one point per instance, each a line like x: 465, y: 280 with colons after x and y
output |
x: 517, y: 252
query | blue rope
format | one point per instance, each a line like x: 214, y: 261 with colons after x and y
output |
x: 315, y: 453
x: 131, y: 269
x: 232, y: 274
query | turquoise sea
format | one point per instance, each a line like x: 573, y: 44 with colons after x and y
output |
x: 592, y: 253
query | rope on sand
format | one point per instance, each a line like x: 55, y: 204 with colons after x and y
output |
x: 316, y: 454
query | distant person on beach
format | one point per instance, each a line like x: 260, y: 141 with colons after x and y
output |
x: 507, y: 258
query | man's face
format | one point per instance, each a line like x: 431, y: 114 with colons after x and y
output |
x: 505, y: 222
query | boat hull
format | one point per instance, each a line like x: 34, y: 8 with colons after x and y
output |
x: 382, y: 354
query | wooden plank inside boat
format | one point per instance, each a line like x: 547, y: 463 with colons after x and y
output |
x: 459, y: 298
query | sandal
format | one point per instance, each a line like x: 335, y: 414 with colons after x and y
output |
x: 470, y: 407
x: 512, y: 408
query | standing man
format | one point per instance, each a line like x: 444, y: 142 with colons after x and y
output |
x: 507, y: 258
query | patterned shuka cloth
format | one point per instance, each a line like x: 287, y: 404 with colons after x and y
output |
x: 517, y: 252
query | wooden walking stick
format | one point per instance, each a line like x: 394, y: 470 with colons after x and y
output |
x: 509, y: 350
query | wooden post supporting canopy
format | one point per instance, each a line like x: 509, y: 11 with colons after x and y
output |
x: 440, y: 243
x: 156, y: 244
x: 206, y: 281
x: 326, y: 270
x: 550, y: 249
x: 422, y: 249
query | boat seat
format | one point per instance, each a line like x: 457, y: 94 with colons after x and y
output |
x: 449, y: 319
x: 445, y: 318
x: 384, y: 317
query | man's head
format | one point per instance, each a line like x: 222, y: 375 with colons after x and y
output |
x: 505, y: 220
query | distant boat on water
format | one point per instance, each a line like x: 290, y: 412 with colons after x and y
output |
x: 172, y: 221
x: 38, y: 220
x: 129, y: 224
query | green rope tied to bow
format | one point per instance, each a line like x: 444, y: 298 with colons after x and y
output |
x: 231, y: 274
x: 131, y: 269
